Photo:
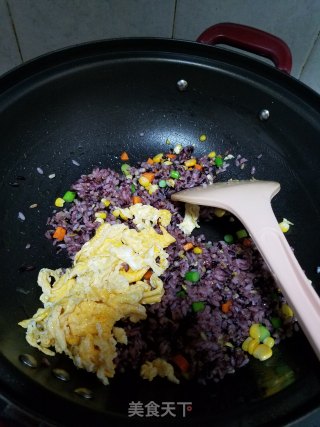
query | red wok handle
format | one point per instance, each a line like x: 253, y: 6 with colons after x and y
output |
x: 251, y: 40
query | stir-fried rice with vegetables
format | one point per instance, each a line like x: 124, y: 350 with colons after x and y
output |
x: 219, y: 305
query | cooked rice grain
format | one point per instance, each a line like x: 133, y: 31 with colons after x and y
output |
x: 210, y: 340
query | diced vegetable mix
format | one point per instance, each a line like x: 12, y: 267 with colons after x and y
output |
x: 197, y: 250
x: 198, y: 306
x: 218, y: 161
x: 124, y: 156
x: 175, y: 174
x: 192, y: 276
x: 228, y: 238
x: 259, y: 343
x: 188, y: 246
x: 226, y: 307
x: 136, y: 199
x: 59, y: 202
x: 69, y: 196
x: 241, y: 234
x: 59, y: 233
x: 181, y: 362
x: 285, y: 225
x: 125, y: 169
x: 182, y: 293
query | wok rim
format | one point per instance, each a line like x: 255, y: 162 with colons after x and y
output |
x: 56, y: 57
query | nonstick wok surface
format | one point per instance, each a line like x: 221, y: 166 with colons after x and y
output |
x: 89, y: 103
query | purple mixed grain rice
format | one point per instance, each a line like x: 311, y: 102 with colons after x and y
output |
x: 210, y: 339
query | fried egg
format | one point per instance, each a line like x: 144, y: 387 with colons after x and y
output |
x: 190, y: 220
x: 105, y: 285
x: 158, y: 367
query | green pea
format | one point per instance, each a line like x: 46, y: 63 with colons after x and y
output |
x: 125, y: 168
x: 218, y: 161
x: 192, y: 276
x: 276, y: 322
x: 228, y: 238
x: 264, y: 333
x: 175, y: 174
x: 132, y: 188
x: 182, y: 293
x: 69, y: 196
x: 162, y: 183
x: 198, y: 306
x: 241, y: 234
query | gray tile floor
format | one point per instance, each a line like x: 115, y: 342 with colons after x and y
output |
x: 294, y: 21
x: 29, y: 28
x: 9, y: 51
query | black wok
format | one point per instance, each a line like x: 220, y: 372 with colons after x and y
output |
x: 89, y: 103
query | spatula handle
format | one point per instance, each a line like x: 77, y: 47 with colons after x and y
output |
x: 250, y: 201
x: 296, y: 287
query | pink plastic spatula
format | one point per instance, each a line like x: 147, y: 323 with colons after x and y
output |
x: 250, y: 201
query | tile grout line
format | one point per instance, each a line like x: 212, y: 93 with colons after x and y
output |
x: 14, y: 30
x: 174, y: 18
x: 308, y: 55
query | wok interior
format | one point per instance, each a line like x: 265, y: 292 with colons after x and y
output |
x: 91, y: 111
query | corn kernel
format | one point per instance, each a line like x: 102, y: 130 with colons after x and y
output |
x: 102, y: 215
x: 246, y: 343
x: 254, y: 331
x: 219, y: 212
x: 158, y: 158
x: 259, y: 332
x: 253, y: 344
x: 191, y: 162
x: 269, y: 341
x: 123, y: 216
x: 284, y: 226
x: 59, y: 202
x: 262, y: 352
x: 116, y: 213
x: 203, y: 137
x: 286, y: 310
x: 106, y: 202
x: 144, y: 182
x: 212, y: 154
x: 197, y: 250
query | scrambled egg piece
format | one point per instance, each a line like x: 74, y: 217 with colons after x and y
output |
x: 104, y: 285
x: 150, y: 370
x: 145, y: 215
x: 191, y: 216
